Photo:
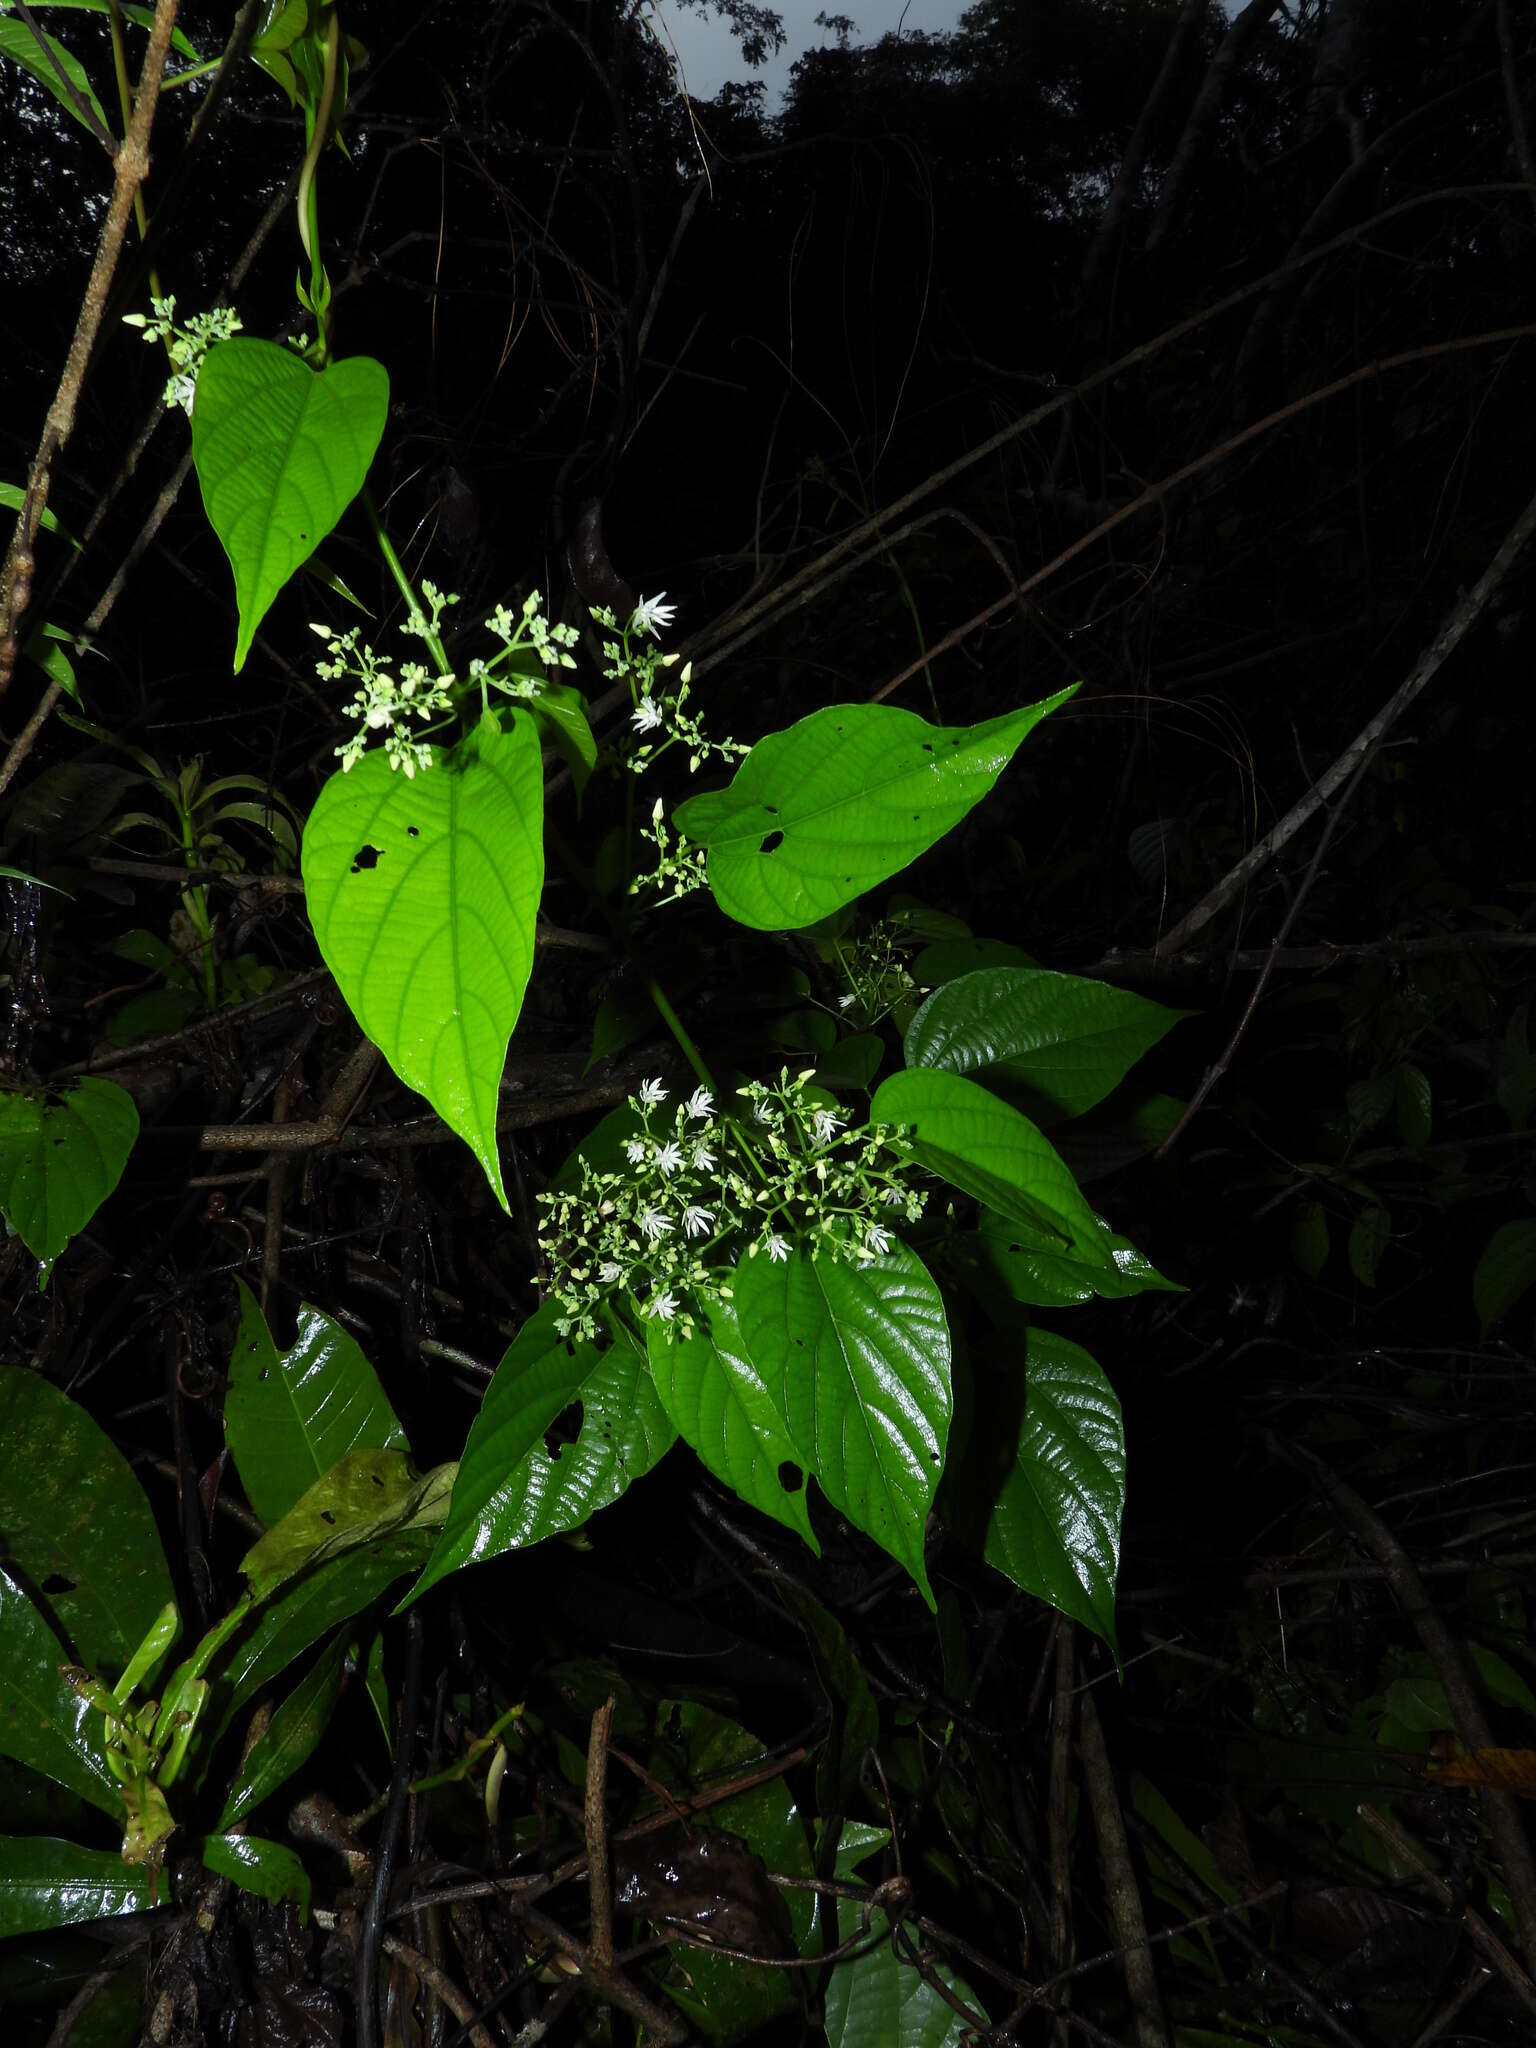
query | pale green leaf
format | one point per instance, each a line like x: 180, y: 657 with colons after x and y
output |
x: 856, y: 1361
x: 1067, y: 1039
x: 74, y: 1518
x: 513, y: 1487
x: 1035, y: 1267
x: 46, y: 1883
x: 715, y: 1398
x: 43, y: 1722
x: 1505, y: 1270
x: 281, y: 451
x: 365, y: 1495
x: 984, y: 1145
x: 131, y: 11
x: 61, y: 1155
x: 1055, y: 1525
x: 423, y: 896
x: 824, y: 810
x: 268, y: 1869
x: 288, y: 1416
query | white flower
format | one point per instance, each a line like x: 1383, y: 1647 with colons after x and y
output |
x: 662, y: 1306
x: 825, y: 1124
x: 892, y: 1197
x: 777, y: 1247
x: 609, y: 1271
x: 634, y: 1151
x: 697, y: 1221
x: 846, y: 1002
x: 652, y: 1092
x: 669, y: 1157
x: 650, y: 614
x: 647, y: 715
x: 762, y: 1109
x: 703, y: 1159
x: 655, y: 1224
x: 699, y: 1104
x: 877, y: 1239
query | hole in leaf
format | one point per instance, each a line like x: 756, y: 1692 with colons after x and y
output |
x: 57, y: 1583
x: 563, y: 1430
x: 791, y: 1478
x: 413, y: 831
x: 772, y: 843
x: 927, y: 746
x: 772, y: 810
x: 377, y: 1480
x: 367, y: 857
x: 266, y: 1371
x: 328, y: 1518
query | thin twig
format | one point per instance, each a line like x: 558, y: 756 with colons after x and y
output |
x: 444, y: 1987
x: 595, y: 1817
x: 1057, y: 1817
x: 371, y: 1935
x: 1125, y: 1908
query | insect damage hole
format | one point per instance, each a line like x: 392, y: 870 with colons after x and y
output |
x: 772, y: 843
x: 365, y: 858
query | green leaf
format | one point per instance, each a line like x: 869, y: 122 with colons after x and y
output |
x: 560, y: 709
x: 12, y: 496
x: 878, y: 2000
x: 716, y: 1400
x: 1309, y: 1237
x: 61, y: 1155
x: 960, y: 1130
x: 47, y: 1883
x: 856, y: 1361
x: 1415, y: 1104
x: 74, y: 1518
x: 1055, y: 1526
x: 281, y: 451
x: 19, y: 44
x: 43, y: 1722
x: 1035, y: 1267
x: 366, y: 1494
x: 1067, y: 1039
x: 289, y: 1416
x: 855, y: 1725
x: 513, y: 1488
x: 423, y: 895
x: 841, y: 800
x: 265, y: 1868
x: 1369, y: 1236
x: 947, y: 959
x: 1505, y: 1270
x: 131, y: 11
x: 852, y: 1063
x: 290, y: 1737
x: 310, y: 1607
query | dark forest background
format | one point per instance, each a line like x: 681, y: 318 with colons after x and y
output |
x: 1184, y: 353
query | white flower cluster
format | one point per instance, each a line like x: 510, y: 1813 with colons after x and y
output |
x: 681, y: 870
x: 707, y: 1190
x: 659, y: 716
x: 528, y: 631
x: 185, y: 345
x: 384, y: 703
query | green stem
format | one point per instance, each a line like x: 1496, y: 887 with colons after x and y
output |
x: 407, y: 589
x: 675, y: 1025
x: 193, y: 71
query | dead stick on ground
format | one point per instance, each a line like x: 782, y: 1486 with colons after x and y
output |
x: 1125, y: 1911
x: 595, y: 1815
x: 1057, y: 1821
x: 1478, y: 1930
x: 1459, y: 619
x: 443, y: 1985
x: 1452, y: 1668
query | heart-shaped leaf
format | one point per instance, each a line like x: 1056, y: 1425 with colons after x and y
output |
x: 1067, y: 1039
x: 289, y: 1416
x: 515, y: 1488
x: 423, y: 894
x: 61, y: 1155
x: 1055, y: 1525
x: 74, y: 1518
x: 841, y: 800
x: 856, y: 1360
x: 281, y: 451
x: 715, y: 1398
x: 988, y: 1148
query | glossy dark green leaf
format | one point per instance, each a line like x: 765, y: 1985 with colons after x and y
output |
x: 48, y: 1883
x: 365, y: 1495
x: 61, y: 1155
x: 290, y: 1737
x: 43, y: 1722
x: 841, y: 800
x: 74, y: 1518
x: 513, y: 1487
x: 1035, y: 1267
x: 1055, y: 1525
x: 265, y: 1868
x: 852, y: 1063
x: 1505, y: 1271
x: 288, y: 1416
x: 985, y: 1146
x: 281, y: 451
x: 716, y: 1400
x: 1067, y: 1039
x: 856, y: 1362
x: 423, y: 895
